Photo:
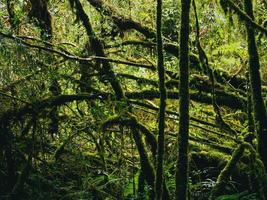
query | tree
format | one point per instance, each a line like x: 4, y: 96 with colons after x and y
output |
x: 162, y: 108
x: 182, y: 168
x: 104, y: 75
x: 260, y: 116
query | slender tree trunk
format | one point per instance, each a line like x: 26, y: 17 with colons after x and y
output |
x: 39, y: 10
x: 10, y: 161
x: 11, y: 13
x: 259, y: 109
x: 53, y: 115
x: 146, y: 166
x: 106, y: 70
x: 251, y: 125
x: 163, y: 95
x: 183, y: 134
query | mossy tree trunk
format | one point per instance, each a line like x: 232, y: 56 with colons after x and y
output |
x: 226, y: 172
x: 259, y: 109
x: 251, y: 125
x: 54, y: 112
x: 41, y: 16
x: 11, y: 13
x: 183, y: 134
x: 39, y: 12
x: 107, y: 75
x: 6, y: 139
x: 162, y: 108
x: 146, y: 165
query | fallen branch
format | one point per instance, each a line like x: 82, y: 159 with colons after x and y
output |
x: 170, y: 113
x: 39, y: 105
x: 226, y: 172
x: 230, y: 101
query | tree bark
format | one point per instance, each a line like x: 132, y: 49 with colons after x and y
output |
x: 106, y: 70
x: 40, y: 11
x: 11, y: 13
x: 226, y: 172
x: 259, y: 109
x: 162, y: 108
x: 182, y: 165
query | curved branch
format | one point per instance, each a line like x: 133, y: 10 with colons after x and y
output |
x: 243, y: 16
x: 39, y: 105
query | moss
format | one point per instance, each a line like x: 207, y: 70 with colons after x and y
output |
x: 106, y: 72
x: 226, y: 172
x: 229, y: 5
x: 40, y: 12
x: 146, y: 165
x: 162, y: 109
x: 205, y: 159
x: 239, y: 196
x: 260, y: 115
x: 182, y: 165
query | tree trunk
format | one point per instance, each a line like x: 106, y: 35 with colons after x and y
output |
x: 146, y: 166
x: 39, y: 10
x: 162, y: 108
x: 106, y: 71
x: 183, y: 134
x: 259, y: 110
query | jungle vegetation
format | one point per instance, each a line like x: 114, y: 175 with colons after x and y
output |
x: 121, y: 99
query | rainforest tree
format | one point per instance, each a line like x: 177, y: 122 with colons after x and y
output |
x: 255, y: 86
x: 162, y: 107
x: 89, y: 95
x: 182, y: 168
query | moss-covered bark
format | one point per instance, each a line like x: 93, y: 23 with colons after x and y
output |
x: 207, y: 69
x: 226, y: 172
x: 124, y: 23
x: 97, y: 47
x: 260, y: 116
x: 39, y: 12
x: 202, y: 85
x: 162, y: 108
x: 251, y: 125
x: 54, y: 112
x: 11, y: 13
x: 146, y: 165
x: 244, y: 16
x: 41, y: 15
x: 182, y: 166
x: 40, y: 105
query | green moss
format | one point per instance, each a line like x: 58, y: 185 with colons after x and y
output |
x: 225, y: 174
x: 240, y: 196
x: 212, y: 158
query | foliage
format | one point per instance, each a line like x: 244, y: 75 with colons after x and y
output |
x: 83, y: 161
